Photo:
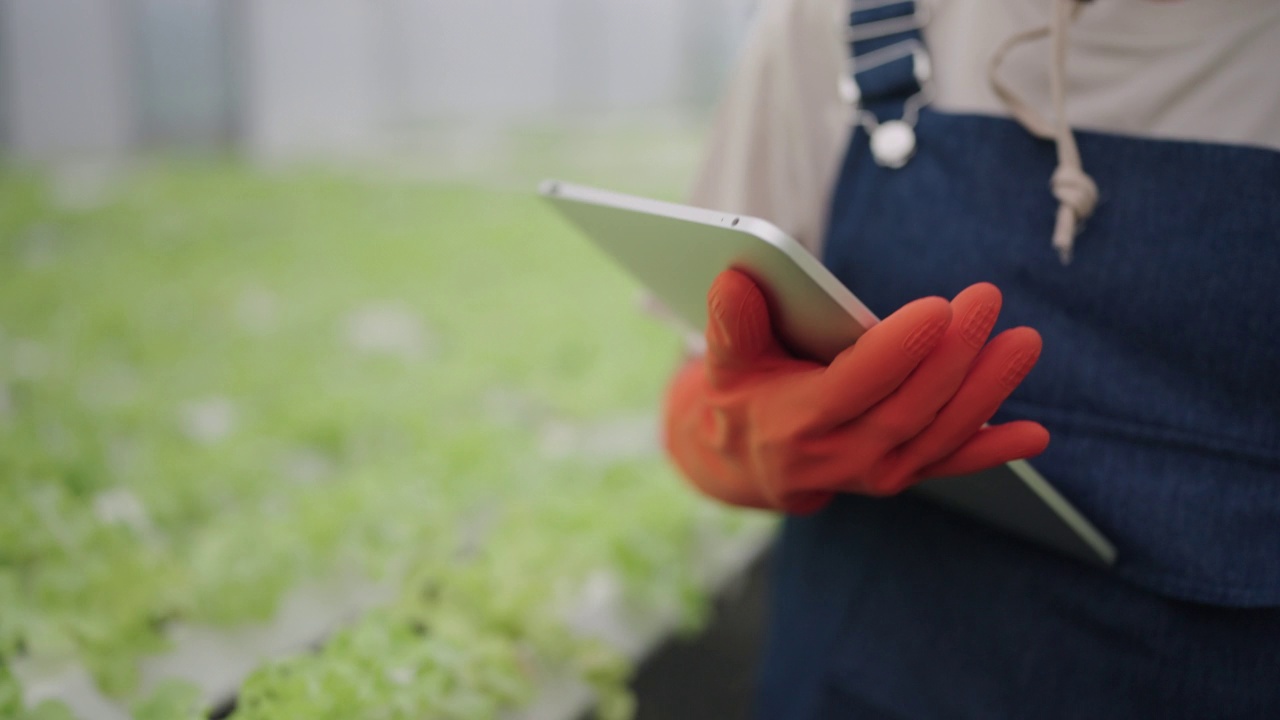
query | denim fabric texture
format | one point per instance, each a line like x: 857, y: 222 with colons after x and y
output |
x: 1160, y: 377
x: 1160, y: 383
x: 925, y: 614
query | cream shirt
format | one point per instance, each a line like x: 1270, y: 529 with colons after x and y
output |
x: 1190, y: 70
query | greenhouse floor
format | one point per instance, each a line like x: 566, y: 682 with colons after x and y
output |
x: 712, y: 674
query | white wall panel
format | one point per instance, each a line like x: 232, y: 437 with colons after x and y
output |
x: 184, y: 71
x: 317, y: 76
x: 494, y: 58
x: 67, y: 68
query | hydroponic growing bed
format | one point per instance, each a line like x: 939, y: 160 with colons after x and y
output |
x: 337, y: 447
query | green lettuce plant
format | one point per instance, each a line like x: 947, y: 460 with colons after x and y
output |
x: 219, y: 384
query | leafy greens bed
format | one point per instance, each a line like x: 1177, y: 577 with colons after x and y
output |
x: 217, y: 384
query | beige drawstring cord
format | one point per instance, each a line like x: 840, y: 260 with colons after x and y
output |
x: 1076, y: 192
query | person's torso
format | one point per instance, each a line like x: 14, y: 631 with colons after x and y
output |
x: 1160, y: 378
x: 1159, y: 381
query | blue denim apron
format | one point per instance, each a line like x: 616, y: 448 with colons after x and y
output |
x: 1160, y: 383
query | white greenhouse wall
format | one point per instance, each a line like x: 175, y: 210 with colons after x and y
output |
x: 67, y: 78
x: 315, y: 76
x: 286, y: 78
x: 185, y: 71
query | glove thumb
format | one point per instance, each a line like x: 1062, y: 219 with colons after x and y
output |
x: 738, y: 328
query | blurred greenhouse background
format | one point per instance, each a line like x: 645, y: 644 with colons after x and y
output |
x: 308, y: 408
x: 305, y: 78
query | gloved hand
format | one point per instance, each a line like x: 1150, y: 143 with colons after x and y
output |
x: 751, y: 425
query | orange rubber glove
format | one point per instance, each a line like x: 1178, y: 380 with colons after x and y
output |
x: 751, y: 425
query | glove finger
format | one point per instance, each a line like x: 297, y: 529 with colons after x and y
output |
x: 1000, y: 367
x: 878, y: 362
x: 992, y: 446
x: 739, y: 332
x: 915, y: 404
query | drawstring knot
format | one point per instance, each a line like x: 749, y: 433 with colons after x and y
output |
x: 1076, y: 192
x: 1077, y: 195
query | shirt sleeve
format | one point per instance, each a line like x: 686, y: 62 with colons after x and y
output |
x: 780, y: 130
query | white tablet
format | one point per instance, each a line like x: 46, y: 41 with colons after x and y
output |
x: 676, y: 251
